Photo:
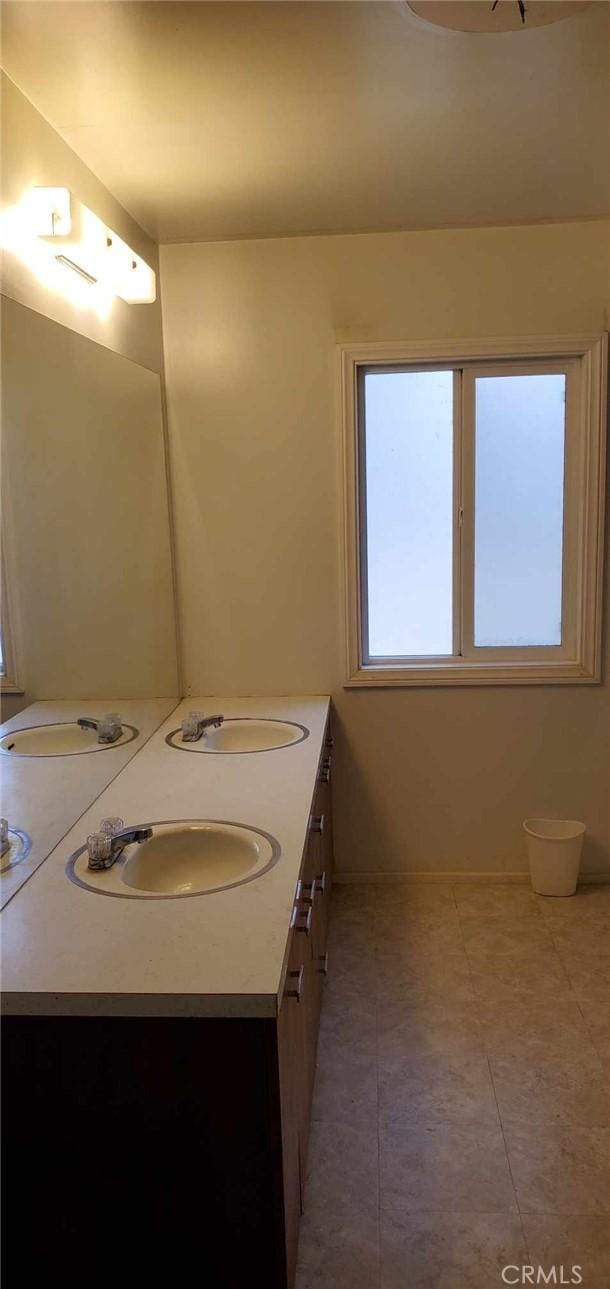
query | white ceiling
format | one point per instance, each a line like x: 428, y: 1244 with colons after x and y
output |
x: 216, y: 120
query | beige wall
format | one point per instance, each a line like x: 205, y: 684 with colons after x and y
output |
x: 427, y: 780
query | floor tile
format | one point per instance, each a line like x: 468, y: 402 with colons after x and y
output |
x: 346, y: 1084
x: 444, y: 976
x: 520, y: 977
x: 590, y: 901
x: 596, y: 1013
x: 428, y: 1091
x: 353, y: 895
x: 487, y: 939
x: 417, y: 933
x: 588, y: 937
x: 352, y: 969
x: 529, y: 1027
x: 354, y: 938
x: 448, y: 1168
x: 559, y: 1168
x: 426, y: 1028
x: 342, y: 1172
x: 341, y: 1254
x: 487, y: 900
x: 449, y: 1250
x: 582, y: 1242
x: 433, y: 1058
x: 412, y: 896
x: 589, y: 976
x: 553, y: 1091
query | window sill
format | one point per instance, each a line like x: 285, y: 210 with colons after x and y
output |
x: 462, y: 673
x: 9, y: 687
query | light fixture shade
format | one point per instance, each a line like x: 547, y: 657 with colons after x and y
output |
x: 139, y: 284
x: 480, y: 16
x: 48, y: 212
x: 127, y: 274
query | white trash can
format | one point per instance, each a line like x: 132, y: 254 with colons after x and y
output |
x: 553, y: 848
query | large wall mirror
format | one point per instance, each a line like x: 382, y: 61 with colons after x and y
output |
x: 89, y: 595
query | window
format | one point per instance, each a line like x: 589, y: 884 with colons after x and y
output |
x: 474, y: 511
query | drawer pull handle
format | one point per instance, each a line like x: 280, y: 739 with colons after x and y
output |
x: 311, y: 888
x: 308, y: 891
x: 301, y: 920
x: 317, y: 823
x: 298, y: 976
x: 323, y: 960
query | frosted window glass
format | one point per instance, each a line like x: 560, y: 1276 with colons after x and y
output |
x: 409, y: 510
x: 520, y: 430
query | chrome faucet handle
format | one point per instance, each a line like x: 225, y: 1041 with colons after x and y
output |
x: 112, y: 825
x: 4, y: 837
x: 192, y: 727
x: 99, y: 850
x: 100, y: 844
x: 110, y: 728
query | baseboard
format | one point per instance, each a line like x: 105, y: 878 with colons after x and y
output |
x: 418, y: 878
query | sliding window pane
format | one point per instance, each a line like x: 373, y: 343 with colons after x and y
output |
x: 408, y: 419
x: 519, y: 474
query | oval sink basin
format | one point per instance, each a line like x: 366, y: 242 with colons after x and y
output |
x: 243, y: 734
x: 183, y: 857
x: 63, y: 739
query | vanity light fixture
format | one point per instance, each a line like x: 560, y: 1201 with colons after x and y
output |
x: 50, y: 231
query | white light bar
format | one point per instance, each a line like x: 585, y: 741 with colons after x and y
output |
x: 83, y: 243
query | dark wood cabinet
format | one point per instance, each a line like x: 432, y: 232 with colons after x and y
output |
x: 157, y: 1147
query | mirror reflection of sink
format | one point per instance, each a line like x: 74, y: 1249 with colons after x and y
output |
x: 66, y: 738
x: 243, y: 734
x: 183, y: 857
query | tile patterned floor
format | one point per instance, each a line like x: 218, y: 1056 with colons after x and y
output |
x: 461, y: 1118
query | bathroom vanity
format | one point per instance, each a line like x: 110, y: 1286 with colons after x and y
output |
x: 160, y: 1048
x: 51, y: 770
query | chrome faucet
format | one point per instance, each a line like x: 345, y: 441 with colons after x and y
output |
x: 107, y: 845
x: 109, y: 728
x: 195, y: 723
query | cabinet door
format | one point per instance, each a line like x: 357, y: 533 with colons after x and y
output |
x: 294, y: 1093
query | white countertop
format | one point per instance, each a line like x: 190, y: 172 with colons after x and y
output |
x: 68, y: 951
x: 45, y: 795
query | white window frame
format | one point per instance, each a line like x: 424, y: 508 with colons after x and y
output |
x: 578, y: 658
